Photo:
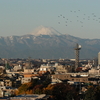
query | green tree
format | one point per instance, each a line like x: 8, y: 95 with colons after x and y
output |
x: 92, y: 93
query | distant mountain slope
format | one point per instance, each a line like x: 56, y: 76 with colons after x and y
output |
x: 47, y: 45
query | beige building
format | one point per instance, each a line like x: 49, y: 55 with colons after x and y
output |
x: 61, y: 69
x: 1, y: 83
x: 8, y: 82
x: 1, y: 93
x: 71, y: 77
x: 94, y: 72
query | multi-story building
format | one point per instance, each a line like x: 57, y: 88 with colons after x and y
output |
x: 99, y: 59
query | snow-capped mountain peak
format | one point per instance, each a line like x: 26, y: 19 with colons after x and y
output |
x: 45, y: 31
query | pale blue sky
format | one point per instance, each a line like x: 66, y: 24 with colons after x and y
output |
x: 80, y: 18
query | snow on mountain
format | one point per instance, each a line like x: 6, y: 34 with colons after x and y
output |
x: 45, y: 31
x: 55, y: 45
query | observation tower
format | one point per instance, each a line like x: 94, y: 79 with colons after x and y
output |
x: 77, y: 48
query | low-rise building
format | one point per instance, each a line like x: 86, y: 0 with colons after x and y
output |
x: 17, y: 67
x: 1, y: 82
x: 8, y: 82
x: 75, y: 77
x: 26, y: 80
x: 46, y: 67
x: 94, y: 72
x: 1, y: 93
x: 31, y: 97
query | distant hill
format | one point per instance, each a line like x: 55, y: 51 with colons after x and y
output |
x: 47, y: 43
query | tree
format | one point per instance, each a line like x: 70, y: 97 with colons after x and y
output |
x: 38, y: 89
x: 24, y: 88
x: 92, y: 93
x: 49, y: 89
x: 61, y: 91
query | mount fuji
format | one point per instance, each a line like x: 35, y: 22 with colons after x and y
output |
x: 45, y: 31
x: 47, y: 43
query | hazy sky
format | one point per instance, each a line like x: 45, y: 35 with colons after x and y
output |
x: 80, y: 18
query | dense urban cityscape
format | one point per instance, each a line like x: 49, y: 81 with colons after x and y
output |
x: 44, y: 79
x: 49, y: 50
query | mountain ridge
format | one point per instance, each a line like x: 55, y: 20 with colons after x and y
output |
x: 47, y: 46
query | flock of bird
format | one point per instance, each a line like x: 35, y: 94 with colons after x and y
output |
x: 79, y: 18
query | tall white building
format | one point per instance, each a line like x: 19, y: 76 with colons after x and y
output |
x: 99, y: 59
